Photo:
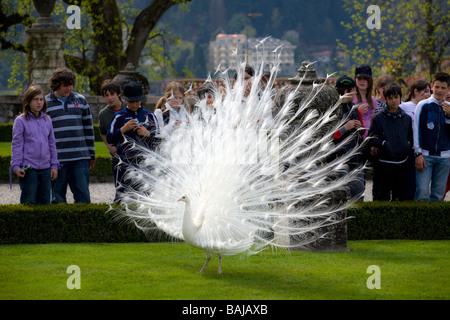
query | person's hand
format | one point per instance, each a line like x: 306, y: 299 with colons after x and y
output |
x: 352, y: 124
x: 446, y: 107
x: 91, y: 164
x: 142, y: 131
x: 175, y: 103
x: 54, y: 174
x: 130, y: 125
x: 420, y: 163
x: 348, y: 97
x: 373, y: 151
x: 363, y: 107
x: 112, y: 150
x: 20, y: 173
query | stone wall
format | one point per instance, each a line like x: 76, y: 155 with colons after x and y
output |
x: 11, y: 106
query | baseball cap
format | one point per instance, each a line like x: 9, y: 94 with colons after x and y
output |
x: 345, y: 82
x: 364, y: 71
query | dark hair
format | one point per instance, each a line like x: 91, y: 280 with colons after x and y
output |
x: 249, y: 69
x: 442, y: 76
x: 111, y: 86
x: 368, y: 94
x: 343, y: 84
x: 420, y: 85
x: 392, y: 90
x: 62, y: 76
x: 28, y: 96
x: 205, y: 89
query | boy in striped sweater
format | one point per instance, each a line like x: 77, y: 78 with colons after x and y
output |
x: 74, y: 134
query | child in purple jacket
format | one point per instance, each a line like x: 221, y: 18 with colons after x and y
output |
x: 34, y: 158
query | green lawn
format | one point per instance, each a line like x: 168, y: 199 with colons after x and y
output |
x: 100, y: 148
x: 169, y: 271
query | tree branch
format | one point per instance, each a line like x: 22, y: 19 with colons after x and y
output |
x: 7, y: 22
x: 144, y: 23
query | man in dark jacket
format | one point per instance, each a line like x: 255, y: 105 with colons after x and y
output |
x: 390, y: 143
x: 129, y: 126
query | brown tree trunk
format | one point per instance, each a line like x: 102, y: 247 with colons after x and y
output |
x: 144, y: 23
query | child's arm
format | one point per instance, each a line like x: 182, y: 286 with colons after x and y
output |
x: 17, y: 147
x: 53, y: 153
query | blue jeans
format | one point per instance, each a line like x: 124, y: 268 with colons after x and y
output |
x: 75, y: 174
x: 36, y: 187
x: 436, y: 172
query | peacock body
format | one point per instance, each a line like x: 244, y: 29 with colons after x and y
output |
x: 242, y: 172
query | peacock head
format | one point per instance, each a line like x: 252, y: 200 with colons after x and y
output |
x: 184, y: 198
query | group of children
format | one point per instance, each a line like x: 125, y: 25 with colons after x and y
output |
x: 401, y: 139
x: 407, y: 143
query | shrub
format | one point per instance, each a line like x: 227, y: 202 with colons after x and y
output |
x: 95, y: 223
x: 6, y: 132
x: 399, y: 220
x: 101, y: 170
x: 64, y: 223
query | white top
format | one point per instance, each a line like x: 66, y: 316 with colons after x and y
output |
x: 409, y: 108
x: 174, y: 115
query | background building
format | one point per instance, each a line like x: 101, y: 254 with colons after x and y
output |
x: 221, y: 52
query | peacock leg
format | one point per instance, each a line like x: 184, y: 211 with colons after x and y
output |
x: 220, y: 263
x: 208, y: 257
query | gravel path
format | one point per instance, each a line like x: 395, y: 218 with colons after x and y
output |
x: 104, y: 193
x: 100, y: 193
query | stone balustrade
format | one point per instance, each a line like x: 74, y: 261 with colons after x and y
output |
x: 11, y: 106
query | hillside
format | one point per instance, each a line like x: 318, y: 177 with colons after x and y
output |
x: 313, y: 26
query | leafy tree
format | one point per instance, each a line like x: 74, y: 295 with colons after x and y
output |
x: 98, y: 50
x: 237, y: 23
x: 413, y: 36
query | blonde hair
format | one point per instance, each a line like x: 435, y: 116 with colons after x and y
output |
x: 170, y: 88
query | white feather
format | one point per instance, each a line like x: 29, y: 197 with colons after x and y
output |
x: 241, y: 174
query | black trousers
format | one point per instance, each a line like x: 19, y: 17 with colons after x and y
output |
x: 391, y: 181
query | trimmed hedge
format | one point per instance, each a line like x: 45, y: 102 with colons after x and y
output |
x: 6, y: 132
x: 94, y: 223
x: 65, y: 223
x: 102, y: 167
x: 102, y: 163
x: 410, y: 220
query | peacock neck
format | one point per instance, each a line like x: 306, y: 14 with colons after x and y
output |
x: 189, y: 229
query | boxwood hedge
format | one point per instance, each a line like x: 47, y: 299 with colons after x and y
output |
x: 96, y: 223
x: 102, y: 168
x: 6, y: 132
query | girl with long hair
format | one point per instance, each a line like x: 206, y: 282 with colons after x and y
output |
x: 34, y: 158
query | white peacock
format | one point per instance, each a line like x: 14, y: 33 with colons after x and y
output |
x: 241, y: 174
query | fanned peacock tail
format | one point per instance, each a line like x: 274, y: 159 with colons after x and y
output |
x: 253, y: 176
